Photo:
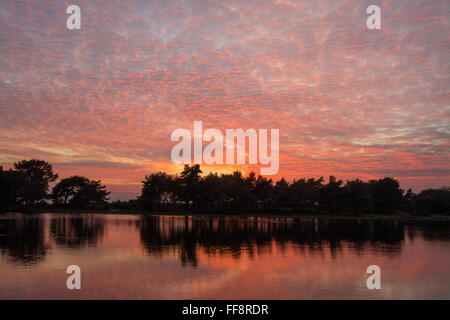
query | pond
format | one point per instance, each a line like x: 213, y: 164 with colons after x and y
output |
x: 200, y: 257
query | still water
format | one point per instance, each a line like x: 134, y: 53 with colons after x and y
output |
x: 176, y: 257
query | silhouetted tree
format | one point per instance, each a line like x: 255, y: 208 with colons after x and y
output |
x: 249, y: 195
x: 91, y: 194
x: 132, y: 204
x: 282, y: 195
x: 28, y: 184
x: 442, y: 201
x: 211, y: 194
x: 331, y: 194
x: 263, y: 192
x: 67, y: 188
x: 408, y: 201
x: 37, y: 175
x: 238, y: 194
x: 431, y: 201
x: 189, y: 184
x: 358, y: 197
x: 11, y: 188
x: 386, y: 195
x: 157, y: 188
x: 306, y: 194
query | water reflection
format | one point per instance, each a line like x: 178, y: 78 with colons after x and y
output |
x: 235, y: 235
x: 22, y: 239
x: 76, y: 231
x: 431, y: 231
x: 177, y: 257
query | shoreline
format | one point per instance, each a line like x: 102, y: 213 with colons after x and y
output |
x: 368, y: 216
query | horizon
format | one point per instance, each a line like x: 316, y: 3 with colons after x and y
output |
x: 126, y: 196
x: 102, y: 101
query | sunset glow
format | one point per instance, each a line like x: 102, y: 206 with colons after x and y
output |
x: 102, y: 101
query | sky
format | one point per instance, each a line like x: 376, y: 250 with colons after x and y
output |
x: 103, y: 101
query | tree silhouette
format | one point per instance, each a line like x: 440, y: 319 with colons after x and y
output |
x: 91, y: 195
x: 22, y: 187
x: 80, y: 192
x: 357, y: 194
x: 211, y: 194
x: 386, y: 195
x: 67, y: 188
x: 263, y: 191
x: 432, y: 201
x: 155, y: 186
x: 11, y: 187
x: 189, y: 184
x: 282, y: 195
x: 306, y: 194
x: 37, y: 175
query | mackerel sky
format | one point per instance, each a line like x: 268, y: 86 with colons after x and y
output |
x: 102, y: 101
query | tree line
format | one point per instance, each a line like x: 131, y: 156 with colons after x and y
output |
x: 28, y: 184
x: 235, y: 193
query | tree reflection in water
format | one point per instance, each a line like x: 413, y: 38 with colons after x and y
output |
x: 26, y: 239
x: 23, y: 239
x: 76, y: 231
x: 233, y: 235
